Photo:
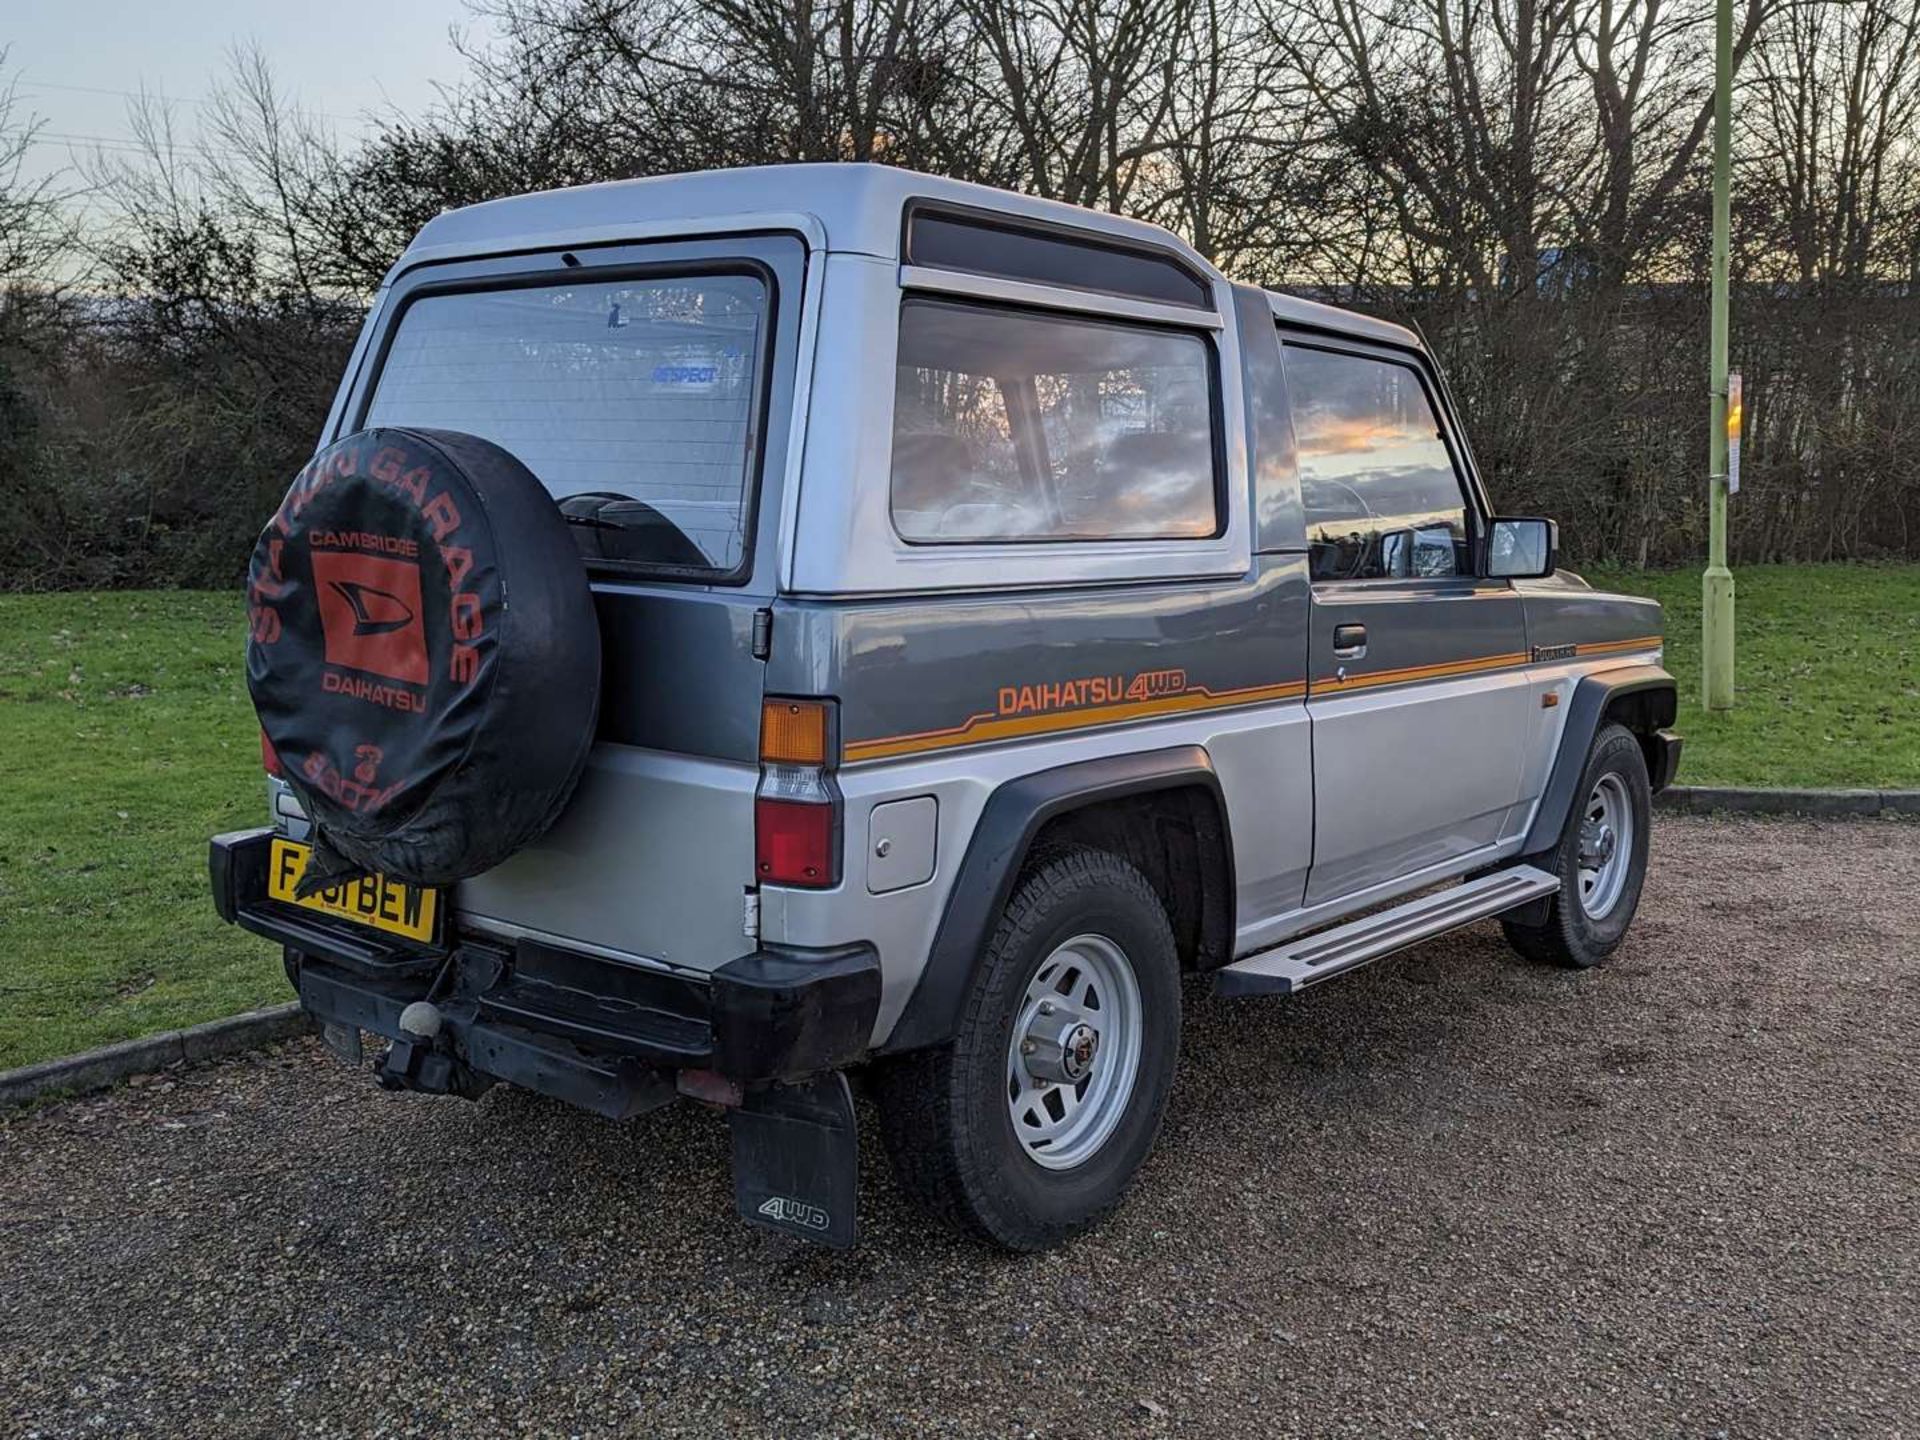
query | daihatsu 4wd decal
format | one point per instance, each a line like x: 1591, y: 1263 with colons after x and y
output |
x: 1090, y: 690
x: 1074, y: 702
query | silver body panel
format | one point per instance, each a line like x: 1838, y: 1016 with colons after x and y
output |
x: 688, y: 821
x: 1336, y: 799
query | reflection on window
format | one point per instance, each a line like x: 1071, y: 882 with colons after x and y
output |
x: 631, y: 400
x: 1010, y: 425
x: 1381, y: 497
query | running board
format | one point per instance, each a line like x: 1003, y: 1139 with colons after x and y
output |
x: 1296, y: 964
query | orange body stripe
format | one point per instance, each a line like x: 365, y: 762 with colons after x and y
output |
x: 1607, y: 647
x: 979, y: 729
x: 988, y: 726
x: 1446, y: 670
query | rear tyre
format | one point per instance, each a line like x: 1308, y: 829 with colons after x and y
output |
x: 1601, y: 859
x: 1027, y: 1128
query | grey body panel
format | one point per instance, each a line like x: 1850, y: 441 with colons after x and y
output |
x: 655, y: 850
x: 915, y: 677
x: 1565, y: 610
x: 678, y: 670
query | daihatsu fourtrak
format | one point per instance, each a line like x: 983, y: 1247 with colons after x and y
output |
x: 748, y: 628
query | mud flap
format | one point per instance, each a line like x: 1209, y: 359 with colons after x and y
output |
x: 796, y: 1160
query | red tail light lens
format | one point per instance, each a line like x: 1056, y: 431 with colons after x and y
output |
x: 793, y: 842
x: 269, y: 757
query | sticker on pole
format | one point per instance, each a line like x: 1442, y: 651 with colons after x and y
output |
x: 1733, y: 433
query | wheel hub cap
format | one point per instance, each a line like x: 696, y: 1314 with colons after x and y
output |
x: 1604, y: 851
x: 1596, y: 845
x: 1074, y: 1052
x: 1060, y: 1044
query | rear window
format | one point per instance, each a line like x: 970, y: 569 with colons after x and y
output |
x: 634, y: 401
x: 1019, y: 425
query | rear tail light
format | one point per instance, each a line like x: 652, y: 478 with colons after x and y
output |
x: 796, y: 811
x: 270, y: 758
x: 793, y: 842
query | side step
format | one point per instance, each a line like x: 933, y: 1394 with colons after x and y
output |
x: 1295, y: 964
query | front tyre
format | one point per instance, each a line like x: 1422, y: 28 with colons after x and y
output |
x: 1028, y: 1127
x: 1601, y: 859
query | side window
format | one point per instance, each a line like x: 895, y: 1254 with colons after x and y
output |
x: 1381, y: 496
x: 1021, y: 425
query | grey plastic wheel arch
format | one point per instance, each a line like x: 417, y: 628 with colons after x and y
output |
x: 1013, y: 816
x: 1593, y: 700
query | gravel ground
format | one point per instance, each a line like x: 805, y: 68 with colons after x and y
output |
x: 1452, y: 1195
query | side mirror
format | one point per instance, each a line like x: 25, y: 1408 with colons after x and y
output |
x: 1522, y: 549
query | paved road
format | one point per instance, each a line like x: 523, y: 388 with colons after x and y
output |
x: 1452, y: 1195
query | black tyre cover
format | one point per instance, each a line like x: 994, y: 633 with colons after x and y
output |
x: 423, y: 654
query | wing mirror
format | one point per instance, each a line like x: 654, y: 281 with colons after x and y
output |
x: 1522, y: 548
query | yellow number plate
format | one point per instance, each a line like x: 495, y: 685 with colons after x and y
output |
x: 389, y: 905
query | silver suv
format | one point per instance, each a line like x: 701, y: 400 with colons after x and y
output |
x: 999, y: 614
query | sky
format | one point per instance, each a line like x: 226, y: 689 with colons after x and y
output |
x: 76, y: 62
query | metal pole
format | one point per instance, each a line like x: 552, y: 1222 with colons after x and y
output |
x: 1716, y: 585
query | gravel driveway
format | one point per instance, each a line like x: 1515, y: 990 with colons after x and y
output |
x: 1452, y: 1195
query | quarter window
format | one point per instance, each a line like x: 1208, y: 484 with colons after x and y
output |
x: 1381, y: 496
x: 1015, y: 425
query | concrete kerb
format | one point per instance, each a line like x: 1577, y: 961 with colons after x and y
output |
x: 97, y: 1069
x: 1819, y: 804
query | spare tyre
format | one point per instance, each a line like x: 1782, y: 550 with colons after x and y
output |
x: 423, y: 654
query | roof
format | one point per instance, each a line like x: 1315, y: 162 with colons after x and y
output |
x: 844, y: 207
x: 1314, y: 315
x: 857, y: 208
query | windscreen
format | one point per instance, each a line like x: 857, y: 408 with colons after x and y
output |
x: 633, y: 401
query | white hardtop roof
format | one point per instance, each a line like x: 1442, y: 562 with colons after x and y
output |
x: 1316, y: 316
x: 847, y: 207
x: 857, y: 207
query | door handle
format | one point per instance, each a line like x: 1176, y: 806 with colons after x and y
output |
x: 1349, y: 642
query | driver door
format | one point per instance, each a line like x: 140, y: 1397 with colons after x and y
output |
x: 1417, y: 689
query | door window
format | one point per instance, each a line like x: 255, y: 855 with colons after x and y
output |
x: 1381, y: 495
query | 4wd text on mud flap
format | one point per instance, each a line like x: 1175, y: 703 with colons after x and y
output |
x: 794, y: 1212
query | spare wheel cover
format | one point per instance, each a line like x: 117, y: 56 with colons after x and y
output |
x: 423, y: 653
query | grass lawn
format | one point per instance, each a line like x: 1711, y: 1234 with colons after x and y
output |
x: 126, y: 740
x: 1826, y: 675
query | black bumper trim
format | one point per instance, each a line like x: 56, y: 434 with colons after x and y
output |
x: 782, y: 1014
x: 564, y: 1022
x: 1666, y: 756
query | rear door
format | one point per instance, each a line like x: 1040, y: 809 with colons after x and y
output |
x: 648, y: 388
x: 1417, y: 691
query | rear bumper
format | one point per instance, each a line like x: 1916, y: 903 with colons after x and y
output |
x: 607, y: 1035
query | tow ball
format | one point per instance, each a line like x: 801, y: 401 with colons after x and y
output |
x: 422, y: 1060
